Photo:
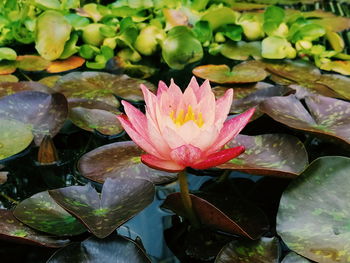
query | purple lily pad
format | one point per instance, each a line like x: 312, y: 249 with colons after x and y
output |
x: 13, y: 230
x: 232, y: 216
x: 111, y: 249
x: 313, y: 216
x: 46, y: 113
x: 121, y: 199
x: 279, y: 155
x: 293, y: 257
x: 101, y: 86
x: 94, y: 115
x: 324, y: 115
x: 42, y: 213
x: 265, y: 250
x: 120, y: 159
x: 9, y: 88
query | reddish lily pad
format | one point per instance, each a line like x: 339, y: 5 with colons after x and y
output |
x: 265, y: 250
x: 101, y: 86
x: 293, y: 257
x: 45, y: 112
x: 269, y: 154
x: 338, y: 83
x: 65, y: 65
x: 42, y: 213
x: 230, y: 215
x: 15, y: 136
x: 313, y: 216
x: 121, y: 199
x: 7, y: 67
x: 117, y: 160
x: 111, y: 249
x: 13, y: 230
x: 243, y: 73
x: 241, y: 50
x: 324, y: 115
x: 32, y: 63
x: 8, y: 88
x: 93, y: 115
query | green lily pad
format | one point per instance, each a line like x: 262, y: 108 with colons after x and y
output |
x: 93, y: 115
x: 120, y: 159
x: 269, y: 154
x: 46, y: 113
x: 247, y: 6
x: 101, y: 86
x: 15, y: 136
x: 338, y: 83
x: 8, y: 78
x: 120, y: 200
x: 245, y: 72
x: 111, y: 249
x: 241, y: 50
x: 228, y: 214
x: 7, y: 67
x: 336, y: 24
x: 324, y: 115
x: 320, y: 230
x: 49, y: 81
x: 293, y: 257
x: 8, y: 88
x: 13, y: 230
x: 42, y: 213
x: 340, y: 66
x: 32, y: 63
x: 265, y: 250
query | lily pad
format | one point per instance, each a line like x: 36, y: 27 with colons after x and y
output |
x: 293, y: 257
x: 8, y: 78
x: 8, y: 88
x: 245, y: 72
x: 49, y: 81
x: 336, y: 24
x: 117, y: 160
x: 324, y: 115
x: 46, y: 113
x: 7, y: 67
x: 222, y: 213
x: 120, y: 200
x: 42, y: 213
x: 319, y: 231
x: 241, y: 50
x: 94, y: 115
x: 279, y: 155
x: 247, y: 6
x: 13, y: 230
x: 265, y: 250
x: 65, y: 65
x: 101, y: 86
x: 15, y: 136
x: 110, y: 249
x: 32, y: 63
x: 338, y: 83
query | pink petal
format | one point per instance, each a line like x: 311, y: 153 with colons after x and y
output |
x: 188, y: 131
x: 206, y: 106
x: 162, y: 87
x: 165, y: 165
x: 204, y: 90
x: 136, y: 117
x: 223, y: 106
x: 186, y: 155
x: 150, y: 100
x: 195, y: 87
x: 231, y: 128
x: 172, y: 138
x: 218, y: 158
x: 205, y: 138
x: 157, y: 139
x: 138, y: 138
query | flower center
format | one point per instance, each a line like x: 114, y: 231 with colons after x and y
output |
x: 184, y: 116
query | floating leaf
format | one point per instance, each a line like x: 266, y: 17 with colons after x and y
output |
x: 46, y: 113
x: 117, y: 160
x: 8, y: 78
x: 121, y: 199
x: 269, y: 154
x: 327, y: 116
x: 47, y: 153
x: 294, y: 258
x: 265, y: 250
x: 340, y: 66
x: 247, y: 6
x: 338, y: 83
x: 241, y: 50
x: 32, y: 63
x: 101, y: 86
x: 15, y: 136
x: 94, y: 115
x: 336, y: 24
x: 111, y: 249
x: 8, y: 88
x: 223, y: 213
x: 49, y: 81
x: 42, y: 213
x: 313, y: 216
x: 13, y: 230
x: 7, y: 67
x: 243, y: 73
x: 65, y: 65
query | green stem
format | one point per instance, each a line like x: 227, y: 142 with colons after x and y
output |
x: 223, y: 177
x: 186, y: 199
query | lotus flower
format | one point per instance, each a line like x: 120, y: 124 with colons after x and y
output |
x: 186, y: 129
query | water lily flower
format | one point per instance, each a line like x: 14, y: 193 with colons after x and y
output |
x: 186, y: 129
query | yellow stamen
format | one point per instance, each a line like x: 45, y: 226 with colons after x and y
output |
x: 182, y: 118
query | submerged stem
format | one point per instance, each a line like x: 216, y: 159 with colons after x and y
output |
x: 186, y: 199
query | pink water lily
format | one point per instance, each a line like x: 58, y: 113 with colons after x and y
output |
x: 186, y: 129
